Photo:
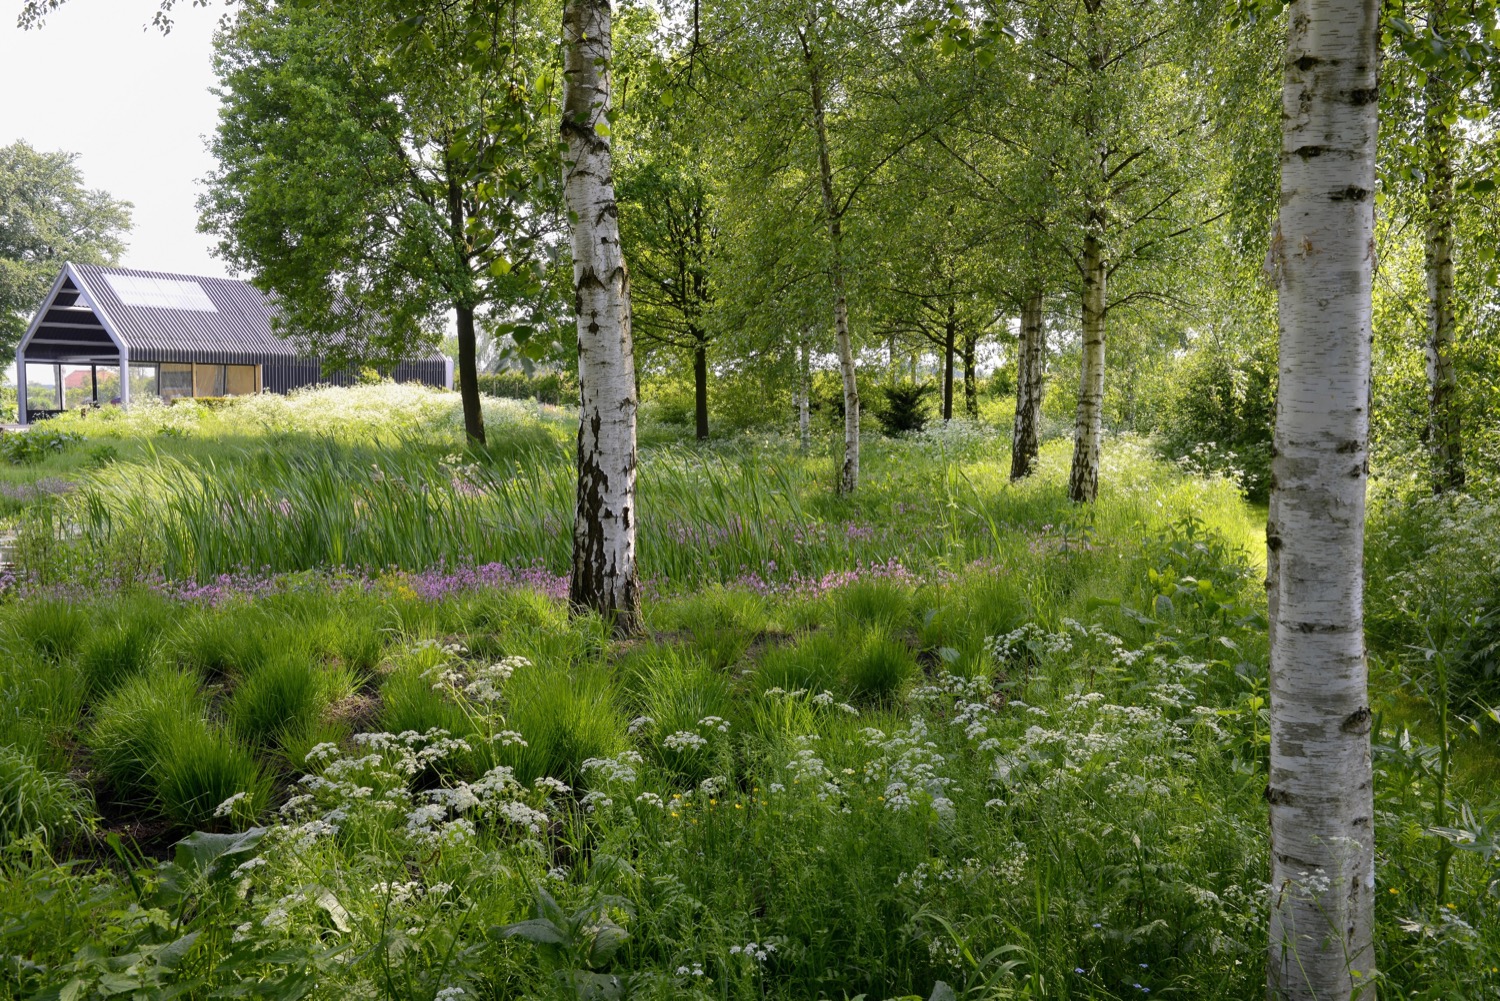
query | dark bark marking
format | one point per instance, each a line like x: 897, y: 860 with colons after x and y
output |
x: 1357, y: 722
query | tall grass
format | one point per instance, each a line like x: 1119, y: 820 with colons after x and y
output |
x: 746, y: 512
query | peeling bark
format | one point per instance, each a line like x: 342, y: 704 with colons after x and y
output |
x: 1320, y: 795
x: 1031, y: 367
x: 604, y: 568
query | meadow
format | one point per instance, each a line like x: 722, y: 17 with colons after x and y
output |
x: 294, y: 707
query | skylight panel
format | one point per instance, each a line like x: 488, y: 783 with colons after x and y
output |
x: 161, y: 293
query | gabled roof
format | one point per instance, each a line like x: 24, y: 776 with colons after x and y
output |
x: 95, y: 311
x: 230, y: 316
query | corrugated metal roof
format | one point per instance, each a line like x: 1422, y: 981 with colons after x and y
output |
x: 238, y: 330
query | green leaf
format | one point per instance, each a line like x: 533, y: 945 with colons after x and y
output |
x: 537, y: 930
x: 602, y: 128
x: 942, y: 992
x: 499, y: 267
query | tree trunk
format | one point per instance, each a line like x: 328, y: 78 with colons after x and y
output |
x: 1444, y: 440
x: 971, y: 378
x: 700, y: 385
x: 468, y: 365
x: 849, y: 468
x: 604, y: 571
x: 950, y: 348
x: 1031, y: 360
x: 804, y: 382
x: 1321, y: 805
x: 1083, y: 480
x: 468, y: 374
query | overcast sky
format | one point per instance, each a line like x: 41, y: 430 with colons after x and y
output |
x: 135, y: 105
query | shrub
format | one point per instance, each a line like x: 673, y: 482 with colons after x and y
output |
x: 21, y: 447
x: 905, y: 407
x: 35, y: 801
x: 555, y: 388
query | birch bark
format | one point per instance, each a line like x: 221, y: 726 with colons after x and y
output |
x: 1031, y: 359
x: 1444, y: 438
x: 604, y: 569
x: 849, y: 468
x: 1322, y: 850
x: 1088, y: 429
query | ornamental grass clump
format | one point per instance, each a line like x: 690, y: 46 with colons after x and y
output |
x: 35, y: 801
x: 288, y: 694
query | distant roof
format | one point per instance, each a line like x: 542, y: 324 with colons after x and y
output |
x: 158, y: 316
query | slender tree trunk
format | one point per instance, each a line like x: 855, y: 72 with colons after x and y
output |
x: 971, y: 378
x: 700, y: 384
x: 950, y: 349
x: 468, y: 374
x: 1031, y: 359
x: 1321, y: 804
x: 468, y: 364
x: 1083, y: 480
x: 893, y: 366
x: 1444, y: 438
x: 804, y: 405
x: 604, y: 569
x: 849, y: 468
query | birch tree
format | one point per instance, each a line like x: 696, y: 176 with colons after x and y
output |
x: 604, y: 577
x: 1320, y: 789
x: 1031, y: 374
x: 1438, y: 103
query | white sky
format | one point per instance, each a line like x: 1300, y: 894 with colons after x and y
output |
x: 98, y: 81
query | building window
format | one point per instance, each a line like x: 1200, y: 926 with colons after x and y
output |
x: 175, y: 381
x: 241, y: 380
x: 143, y: 382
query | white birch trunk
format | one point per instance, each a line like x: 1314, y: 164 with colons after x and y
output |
x: 1444, y: 437
x: 1031, y: 356
x: 1322, y: 836
x: 849, y: 468
x: 604, y: 571
x: 1088, y: 428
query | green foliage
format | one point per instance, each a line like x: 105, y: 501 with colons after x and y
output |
x: 36, y: 444
x: 905, y: 407
x: 36, y: 802
x: 284, y: 696
x: 47, y: 216
x: 133, y: 724
x: 198, y: 768
x: 1219, y: 416
x: 566, y: 718
x: 878, y: 667
x: 548, y: 387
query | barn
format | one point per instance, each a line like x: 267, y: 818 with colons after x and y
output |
x: 111, y: 335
